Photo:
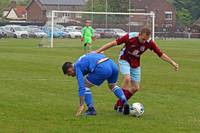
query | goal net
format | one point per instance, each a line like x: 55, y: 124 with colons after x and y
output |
x: 65, y: 27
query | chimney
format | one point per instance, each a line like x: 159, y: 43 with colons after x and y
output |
x: 13, y: 4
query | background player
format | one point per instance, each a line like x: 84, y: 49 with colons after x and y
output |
x: 98, y: 68
x: 129, y: 59
x: 87, y: 35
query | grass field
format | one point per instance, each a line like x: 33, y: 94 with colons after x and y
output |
x: 36, y: 98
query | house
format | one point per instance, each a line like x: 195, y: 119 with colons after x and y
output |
x: 14, y: 12
x: 40, y: 10
x: 197, y: 22
x: 164, y: 11
x: 196, y: 26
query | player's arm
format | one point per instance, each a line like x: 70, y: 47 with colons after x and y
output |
x: 106, y: 46
x: 93, y: 35
x: 81, y: 90
x: 92, y: 31
x: 82, y: 34
x: 119, y: 41
x: 169, y: 60
x: 163, y: 56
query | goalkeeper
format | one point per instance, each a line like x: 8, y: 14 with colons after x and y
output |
x: 87, y: 35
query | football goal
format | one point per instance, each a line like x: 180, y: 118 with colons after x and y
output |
x: 68, y: 24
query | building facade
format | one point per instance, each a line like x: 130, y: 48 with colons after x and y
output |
x: 40, y: 10
x: 164, y: 11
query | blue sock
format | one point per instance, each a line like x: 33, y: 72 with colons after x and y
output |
x: 88, y: 98
x: 120, y: 94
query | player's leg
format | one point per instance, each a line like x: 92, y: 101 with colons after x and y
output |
x: 85, y: 47
x: 135, y: 79
x: 88, y: 99
x: 126, y: 81
x: 125, y: 70
x: 89, y: 42
x: 96, y: 78
x: 135, y: 85
x: 90, y: 46
x: 104, y: 71
x: 112, y: 82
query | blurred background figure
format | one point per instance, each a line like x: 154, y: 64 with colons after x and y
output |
x: 87, y: 35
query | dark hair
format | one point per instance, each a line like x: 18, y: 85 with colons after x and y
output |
x: 66, y: 66
x: 146, y: 31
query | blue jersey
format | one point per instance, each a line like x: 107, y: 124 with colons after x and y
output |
x: 84, y: 65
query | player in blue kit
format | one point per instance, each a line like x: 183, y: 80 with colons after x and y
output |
x: 90, y: 70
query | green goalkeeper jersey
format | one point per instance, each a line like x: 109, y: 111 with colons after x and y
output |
x: 87, y: 32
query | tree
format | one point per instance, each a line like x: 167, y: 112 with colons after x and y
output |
x: 112, y: 6
x: 187, y: 11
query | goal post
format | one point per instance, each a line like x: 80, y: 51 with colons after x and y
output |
x: 55, y: 13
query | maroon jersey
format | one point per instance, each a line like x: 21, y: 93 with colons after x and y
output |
x: 133, y: 49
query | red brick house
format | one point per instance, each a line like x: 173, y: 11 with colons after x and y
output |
x: 164, y: 11
x: 40, y: 10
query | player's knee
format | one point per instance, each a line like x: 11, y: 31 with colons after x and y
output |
x: 135, y: 88
x: 111, y: 86
x: 127, y: 79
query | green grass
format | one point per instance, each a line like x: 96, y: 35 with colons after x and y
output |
x: 36, y: 98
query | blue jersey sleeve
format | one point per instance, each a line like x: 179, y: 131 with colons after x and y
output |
x: 81, y: 84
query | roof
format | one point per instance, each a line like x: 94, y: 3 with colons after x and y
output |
x: 62, y: 2
x: 141, y: 3
x: 57, y: 4
x: 146, y: 4
x: 20, y: 10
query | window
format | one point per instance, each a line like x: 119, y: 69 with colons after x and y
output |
x: 49, y: 14
x: 66, y: 14
x: 168, y: 25
x: 78, y: 16
x: 168, y: 15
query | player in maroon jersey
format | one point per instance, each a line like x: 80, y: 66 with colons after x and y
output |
x: 129, y: 60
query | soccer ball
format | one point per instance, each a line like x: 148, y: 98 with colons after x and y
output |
x: 136, y: 109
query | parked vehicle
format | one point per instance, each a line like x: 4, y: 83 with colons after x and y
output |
x: 35, y: 32
x: 97, y: 35
x: 105, y: 33
x: 38, y: 33
x: 119, y: 32
x: 79, y: 28
x: 73, y: 33
x: 17, y: 30
x: 99, y: 30
x: 6, y: 33
x: 57, y: 33
x: 1, y: 34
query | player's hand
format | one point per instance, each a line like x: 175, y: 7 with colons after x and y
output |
x: 80, y: 110
x: 97, y: 51
x: 93, y: 52
x: 176, y: 66
x: 82, y: 39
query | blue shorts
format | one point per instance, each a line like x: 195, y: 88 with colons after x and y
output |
x: 126, y: 69
x: 107, y: 70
